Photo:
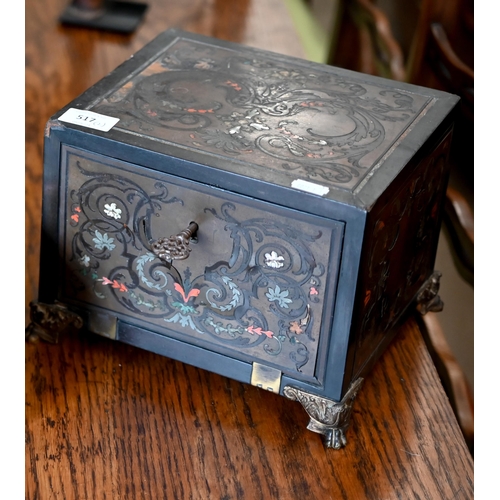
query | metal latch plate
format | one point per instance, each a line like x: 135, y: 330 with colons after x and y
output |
x: 102, y: 324
x: 266, y: 377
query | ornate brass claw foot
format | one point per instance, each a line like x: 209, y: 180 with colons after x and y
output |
x: 427, y: 297
x: 49, y: 321
x: 327, y: 417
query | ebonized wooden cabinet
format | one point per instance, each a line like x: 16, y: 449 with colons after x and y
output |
x: 259, y: 216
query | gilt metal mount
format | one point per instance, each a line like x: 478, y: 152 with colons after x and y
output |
x: 327, y: 417
x: 427, y: 297
x: 49, y: 321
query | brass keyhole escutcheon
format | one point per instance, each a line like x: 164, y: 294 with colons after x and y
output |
x: 175, y: 247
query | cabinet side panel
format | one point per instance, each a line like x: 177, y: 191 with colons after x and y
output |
x: 400, y: 248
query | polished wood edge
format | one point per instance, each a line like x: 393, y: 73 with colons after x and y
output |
x: 462, y: 210
x: 459, y: 388
x: 384, y: 33
x: 447, y: 52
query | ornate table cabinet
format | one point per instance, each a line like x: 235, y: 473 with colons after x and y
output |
x: 255, y: 215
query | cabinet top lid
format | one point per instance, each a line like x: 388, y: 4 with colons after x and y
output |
x: 270, y: 117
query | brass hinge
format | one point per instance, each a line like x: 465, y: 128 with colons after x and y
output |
x: 266, y: 377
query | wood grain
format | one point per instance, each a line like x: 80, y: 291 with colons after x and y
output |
x: 108, y: 421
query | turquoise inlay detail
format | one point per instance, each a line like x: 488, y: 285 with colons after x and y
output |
x: 278, y: 295
x: 103, y: 241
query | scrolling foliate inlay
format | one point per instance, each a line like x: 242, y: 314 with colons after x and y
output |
x: 312, y: 124
x: 253, y: 282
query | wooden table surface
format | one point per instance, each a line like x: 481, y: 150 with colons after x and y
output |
x: 109, y: 421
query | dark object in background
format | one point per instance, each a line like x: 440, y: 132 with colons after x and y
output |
x: 109, y: 15
x: 434, y: 48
